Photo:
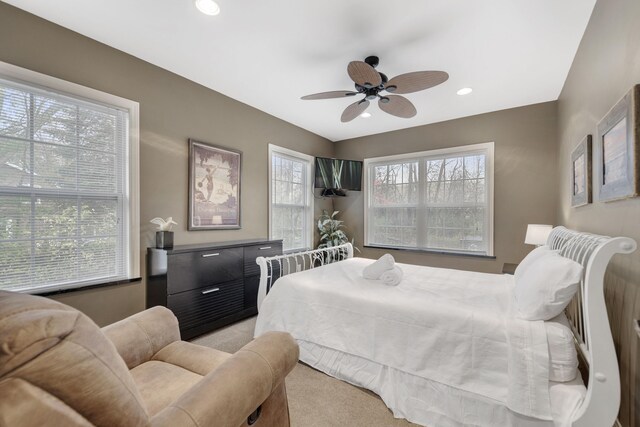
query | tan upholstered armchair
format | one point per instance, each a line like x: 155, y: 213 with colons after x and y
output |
x: 58, y: 368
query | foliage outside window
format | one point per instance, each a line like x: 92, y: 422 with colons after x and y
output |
x: 64, y: 195
x: 439, y: 200
x: 291, y: 198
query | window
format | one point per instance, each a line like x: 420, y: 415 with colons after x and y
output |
x: 68, y: 184
x: 438, y: 200
x: 291, y: 195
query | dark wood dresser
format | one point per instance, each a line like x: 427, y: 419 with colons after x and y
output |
x: 208, y: 285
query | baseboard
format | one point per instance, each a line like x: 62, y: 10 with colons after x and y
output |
x: 617, y: 423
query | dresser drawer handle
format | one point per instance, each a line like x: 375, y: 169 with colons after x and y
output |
x: 208, y: 291
x: 209, y: 255
x: 265, y: 247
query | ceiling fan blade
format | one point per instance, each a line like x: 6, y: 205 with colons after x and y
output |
x: 416, y: 81
x: 363, y: 74
x: 330, y: 95
x: 398, y: 106
x: 354, y: 110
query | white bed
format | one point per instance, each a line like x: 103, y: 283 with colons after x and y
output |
x: 443, y: 348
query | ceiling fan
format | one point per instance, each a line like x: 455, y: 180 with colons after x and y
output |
x: 371, y: 83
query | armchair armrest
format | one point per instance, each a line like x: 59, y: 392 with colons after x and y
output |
x: 234, y: 390
x: 137, y: 338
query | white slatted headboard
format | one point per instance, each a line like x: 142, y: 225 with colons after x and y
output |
x: 587, y: 314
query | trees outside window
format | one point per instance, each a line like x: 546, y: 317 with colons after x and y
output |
x: 439, y: 200
x: 64, y: 194
x: 291, y: 209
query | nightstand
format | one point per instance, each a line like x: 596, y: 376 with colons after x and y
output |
x: 508, y: 268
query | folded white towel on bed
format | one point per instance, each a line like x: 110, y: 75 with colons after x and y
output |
x: 375, y: 270
x: 392, y: 277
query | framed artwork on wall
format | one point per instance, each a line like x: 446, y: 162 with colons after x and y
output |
x: 214, y: 187
x: 581, y: 173
x: 618, y: 171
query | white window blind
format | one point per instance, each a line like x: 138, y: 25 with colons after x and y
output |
x: 435, y: 200
x: 291, y: 212
x: 64, y: 190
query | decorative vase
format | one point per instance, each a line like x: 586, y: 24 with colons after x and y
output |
x: 164, y: 239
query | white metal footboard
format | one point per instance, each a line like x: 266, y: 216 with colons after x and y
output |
x: 587, y: 315
x: 274, y: 267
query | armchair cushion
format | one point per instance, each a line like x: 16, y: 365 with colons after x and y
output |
x: 161, y: 383
x: 174, y: 370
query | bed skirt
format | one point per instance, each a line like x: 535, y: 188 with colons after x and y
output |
x: 431, y: 403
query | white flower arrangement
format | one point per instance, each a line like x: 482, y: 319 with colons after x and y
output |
x: 164, y: 224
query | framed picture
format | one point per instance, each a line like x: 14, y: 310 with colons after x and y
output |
x: 581, y: 173
x: 618, y: 172
x: 214, y: 187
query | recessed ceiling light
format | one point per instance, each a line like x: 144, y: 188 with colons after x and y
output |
x: 208, y: 7
x: 465, y: 91
x: 365, y: 115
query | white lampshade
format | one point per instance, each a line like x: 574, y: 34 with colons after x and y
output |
x: 537, y: 234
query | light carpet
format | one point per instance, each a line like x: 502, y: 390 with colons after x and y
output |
x: 315, y: 399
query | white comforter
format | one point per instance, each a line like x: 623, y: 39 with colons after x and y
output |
x: 450, y: 326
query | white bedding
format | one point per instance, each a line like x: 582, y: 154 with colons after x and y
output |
x: 563, y: 356
x: 434, y: 404
x: 448, y: 327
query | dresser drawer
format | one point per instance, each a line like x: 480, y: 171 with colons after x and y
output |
x: 251, y: 285
x: 254, y: 251
x: 207, y: 304
x: 192, y: 270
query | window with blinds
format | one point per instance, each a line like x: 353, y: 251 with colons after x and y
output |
x: 437, y: 200
x: 64, y: 190
x: 291, y: 211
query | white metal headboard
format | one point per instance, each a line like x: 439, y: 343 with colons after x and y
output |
x: 272, y: 268
x: 587, y: 315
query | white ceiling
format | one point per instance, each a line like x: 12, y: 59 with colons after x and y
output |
x: 269, y: 53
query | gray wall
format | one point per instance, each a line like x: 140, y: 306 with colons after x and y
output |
x: 525, y: 177
x: 172, y: 109
x: 606, y: 66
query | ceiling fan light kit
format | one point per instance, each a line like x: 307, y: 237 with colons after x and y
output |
x: 208, y: 7
x: 370, y: 83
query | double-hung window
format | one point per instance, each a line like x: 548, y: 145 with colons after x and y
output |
x: 68, y: 184
x: 291, y: 198
x: 440, y: 200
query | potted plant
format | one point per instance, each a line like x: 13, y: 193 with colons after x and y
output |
x: 164, y: 235
x: 331, y: 230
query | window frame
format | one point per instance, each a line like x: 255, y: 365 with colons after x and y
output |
x: 131, y: 218
x: 309, y: 170
x: 487, y: 147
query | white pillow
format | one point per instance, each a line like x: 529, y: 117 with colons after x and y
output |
x: 546, y: 286
x: 529, y: 259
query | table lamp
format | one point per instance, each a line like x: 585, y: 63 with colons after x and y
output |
x: 537, y: 234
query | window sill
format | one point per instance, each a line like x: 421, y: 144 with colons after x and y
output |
x: 50, y: 292
x: 432, y: 251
